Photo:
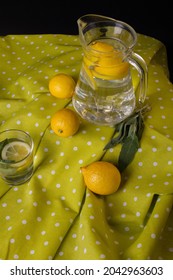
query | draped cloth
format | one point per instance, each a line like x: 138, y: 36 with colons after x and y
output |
x: 54, y: 215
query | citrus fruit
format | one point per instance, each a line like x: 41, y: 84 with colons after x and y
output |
x: 65, y: 122
x: 101, y: 177
x: 62, y: 86
x: 107, y: 63
x: 15, y: 151
x: 102, y: 47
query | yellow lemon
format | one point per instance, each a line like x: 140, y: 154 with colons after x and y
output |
x: 101, y: 177
x: 62, y: 86
x: 65, y: 122
x: 15, y: 150
x: 111, y: 71
x: 108, y: 64
x: 89, y: 74
x: 101, y: 46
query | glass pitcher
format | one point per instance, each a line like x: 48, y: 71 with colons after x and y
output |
x: 104, y: 93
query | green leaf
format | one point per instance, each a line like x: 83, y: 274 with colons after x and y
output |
x: 128, y: 151
x: 123, y: 129
x: 140, y: 127
x: 129, y: 135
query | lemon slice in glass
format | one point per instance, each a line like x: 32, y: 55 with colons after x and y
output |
x: 15, y: 151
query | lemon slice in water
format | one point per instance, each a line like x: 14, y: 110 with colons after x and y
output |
x: 15, y: 151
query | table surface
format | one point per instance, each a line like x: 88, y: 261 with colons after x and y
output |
x: 54, y: 215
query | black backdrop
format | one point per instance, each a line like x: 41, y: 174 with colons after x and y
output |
x: 60, y: 17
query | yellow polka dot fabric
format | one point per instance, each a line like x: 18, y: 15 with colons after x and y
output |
x: 54, y: 215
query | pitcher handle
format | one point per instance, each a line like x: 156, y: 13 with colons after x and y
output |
x: 139, y: 63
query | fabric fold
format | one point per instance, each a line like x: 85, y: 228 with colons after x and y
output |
x: 54, y: 215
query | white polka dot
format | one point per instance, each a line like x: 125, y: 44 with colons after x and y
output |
x: 90, y: 205
x: 12, y: 240
x: 4, y: 204
x: 16, y: 256
x: 148, y: 194
x: 126, y: 228
x: 156, y: 216
x: 57, y: 224
x: 32, y: 252
x: 28, y: 237
x: 123, y: 216
x: 170, y: 250
x: 35, y: 204
x: 139, y: 245
x: 131, y: 237
x: 91, y: 217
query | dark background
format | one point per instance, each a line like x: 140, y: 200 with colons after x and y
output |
x: 60, y: 17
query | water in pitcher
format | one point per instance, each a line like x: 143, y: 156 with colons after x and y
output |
x: 105, y: 95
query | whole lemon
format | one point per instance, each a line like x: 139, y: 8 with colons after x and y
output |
x: 65, y: 122
x: 62, y: 86
x: 101, y: 177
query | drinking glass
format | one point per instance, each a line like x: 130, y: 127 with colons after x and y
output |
x: 16, y: 156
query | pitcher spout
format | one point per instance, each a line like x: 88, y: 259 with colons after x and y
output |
x: 89, y: 28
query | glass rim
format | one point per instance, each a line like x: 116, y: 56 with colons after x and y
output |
x: 98, y: 20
